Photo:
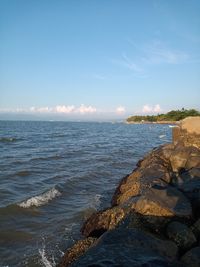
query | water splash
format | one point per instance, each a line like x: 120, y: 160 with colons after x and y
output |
x: 44, y: 259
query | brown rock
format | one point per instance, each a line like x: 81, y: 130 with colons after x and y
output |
x: 102, y: 221
x: 163, y: 201
x: 179, y: 158
x: 77, y: 250
x: 188, y: 133
x: 141, y: 179
x: 128, y: 187
x: 191, y: 125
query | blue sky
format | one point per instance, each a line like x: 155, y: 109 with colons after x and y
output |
x: 98, y: 59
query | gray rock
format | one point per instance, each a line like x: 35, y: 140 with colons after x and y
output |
x: 181, y: 235
x: 129, y: 248
x: 192, y: 257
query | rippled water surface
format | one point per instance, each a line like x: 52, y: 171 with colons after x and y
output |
x: 53, y: 175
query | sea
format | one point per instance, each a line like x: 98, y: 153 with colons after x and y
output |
x: 54, y: 175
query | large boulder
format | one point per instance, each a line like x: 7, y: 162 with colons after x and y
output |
x: 163, y: 201
x: 141, y: 179
x: 129, y: 248
x: 188, y: 132
x: 184, y: 158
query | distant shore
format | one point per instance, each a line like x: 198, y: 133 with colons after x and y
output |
x: 153, y: 122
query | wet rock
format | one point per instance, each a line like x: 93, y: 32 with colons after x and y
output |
x: 163, y: 201
x: 77, y: 250
x: 181, y: 235
x: 192, y: 257
x: 102, y: 221
x: 129, y: 248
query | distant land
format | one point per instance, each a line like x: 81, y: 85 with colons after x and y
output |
x: 170, y: 117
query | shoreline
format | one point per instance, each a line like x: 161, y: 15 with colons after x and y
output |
x: 153, y: 219
x: 155, y: 122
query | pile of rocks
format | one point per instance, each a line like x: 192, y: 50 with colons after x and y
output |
x: 154, y: 218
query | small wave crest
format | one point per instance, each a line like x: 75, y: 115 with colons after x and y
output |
x: 40, y: 199
x: 162, y: 136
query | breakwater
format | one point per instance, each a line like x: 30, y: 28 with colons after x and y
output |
x: 154, y: 217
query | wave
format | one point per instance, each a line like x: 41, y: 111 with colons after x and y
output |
x: 7, y: 139
x: 162, y: 136
x: 40, y: 200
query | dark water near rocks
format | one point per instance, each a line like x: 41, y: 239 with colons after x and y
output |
x: 53, y: 175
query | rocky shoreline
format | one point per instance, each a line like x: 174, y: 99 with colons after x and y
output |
x: 154, y: 217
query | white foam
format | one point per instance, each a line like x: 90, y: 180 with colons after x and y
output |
x: 95, y: 201
x: 44, y: 260
x: 162, y: 135
x: 41, y: 199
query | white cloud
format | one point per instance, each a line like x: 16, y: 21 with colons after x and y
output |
x: 150, y: 109
x: 64, y: 109
x: 40, y: 110
x: 86, y: 109
x: 120, y: 110
x: 59, y: 109
x: 157, y: 108
x: 146, y: 109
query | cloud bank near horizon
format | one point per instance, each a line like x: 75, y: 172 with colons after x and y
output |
x: 82, y: 110
x: 59, y: 109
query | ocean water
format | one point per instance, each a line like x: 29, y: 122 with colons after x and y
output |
x: 53, y: 175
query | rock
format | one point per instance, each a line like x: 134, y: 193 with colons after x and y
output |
x: 129, y: 248
x: 128, y: 187
x: 77, y: 250
x: 192, y: 257
x: 196, y: 229
x: 163, y: 201
x: 188, y: 133
x: 191, y: 125
x: 179, y: 158
x: 181, y: 235
x: 102, y: 221
x: 141, y: 179
x: 189, y: 183
x: 148, y: 223
x: 193, y: 161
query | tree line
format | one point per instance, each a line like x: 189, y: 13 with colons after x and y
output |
x: 173, y: 115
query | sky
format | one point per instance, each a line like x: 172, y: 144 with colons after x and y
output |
x: 98, y: 59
